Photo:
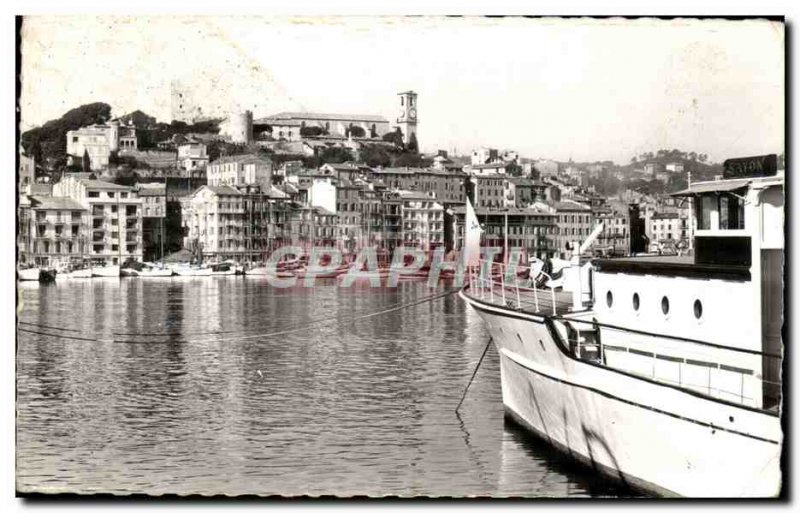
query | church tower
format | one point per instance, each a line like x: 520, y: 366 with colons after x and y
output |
x: 407, y: 121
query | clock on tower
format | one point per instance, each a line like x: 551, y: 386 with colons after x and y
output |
x: 407, y: 120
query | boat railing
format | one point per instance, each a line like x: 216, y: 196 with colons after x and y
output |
x: 499, y: 283
x: 744, y: 380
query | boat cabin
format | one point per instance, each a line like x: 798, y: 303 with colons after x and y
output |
x: 710, y: 321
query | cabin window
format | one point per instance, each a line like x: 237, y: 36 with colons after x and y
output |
x: 731, y: 213
x: 698, y: 309
x: 665, y: 305
x: 704, y: 207
x: 636, y: 301
x: 609, y: 298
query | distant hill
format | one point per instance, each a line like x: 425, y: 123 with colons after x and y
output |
x: 138, y: 119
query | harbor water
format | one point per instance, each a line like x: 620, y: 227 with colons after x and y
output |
x: 227, y: 385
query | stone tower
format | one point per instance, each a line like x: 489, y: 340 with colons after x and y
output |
x: 407, y: 120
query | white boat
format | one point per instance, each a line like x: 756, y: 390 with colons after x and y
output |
x: 192, y: 270
x: 108, y: 271
x: 261, y: 270
x: 28, y: 274
x: 153, y: 271
x: 80, y: 273
x: 663, y: 372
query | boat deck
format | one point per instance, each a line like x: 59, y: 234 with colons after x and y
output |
x: 543, y: 301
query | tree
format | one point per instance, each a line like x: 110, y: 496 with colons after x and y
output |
x: 514, y: 169
x: 375, y: 155
x: 395, y: 138
x: 408, y: 159
x: 87, y: 162
x: 356, y: 131
x: 311, y: 131
x: 412, y: 143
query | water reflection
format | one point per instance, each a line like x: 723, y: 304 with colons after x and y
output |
x: 178, y: 394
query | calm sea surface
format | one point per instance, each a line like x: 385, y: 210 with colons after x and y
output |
x: 178, y: 389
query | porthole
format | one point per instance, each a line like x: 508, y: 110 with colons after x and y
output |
x: 698, y: 309
x: 665, y: 305
x: 609, y: 298
x: 636, y: 301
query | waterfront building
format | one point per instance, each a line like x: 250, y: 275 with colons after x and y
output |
x: 313, y: 226
x: 667, y: 228
x: 115, y: 214
x: 532, y: 229
x: 213, y: 218
x: 348, y: 207
x: 372, y: 215
x: 154, y: 212
x: 423, y: 220
x: 52, y: 231
x: 615, y: 239
x: 574, y: 224
x: 238, y: 170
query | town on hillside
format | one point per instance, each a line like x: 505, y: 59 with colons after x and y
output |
x: 117, y: 190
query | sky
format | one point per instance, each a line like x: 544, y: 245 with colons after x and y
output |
x: 581, y: 89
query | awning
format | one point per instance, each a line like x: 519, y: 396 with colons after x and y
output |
x: 715, y: 186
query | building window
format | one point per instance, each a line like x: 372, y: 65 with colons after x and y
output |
x: 609, y: 299
x: 636, y: 301
x: 665, y: 305
x: 93, y: 194
x: 698, y: 309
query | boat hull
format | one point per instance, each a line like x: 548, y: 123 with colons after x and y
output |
x: 155, y: 273
x: 111, y: 271
x: 193, y: 272
x: 649, y: 435
x: 30, y: 274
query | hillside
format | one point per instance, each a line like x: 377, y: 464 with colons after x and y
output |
x: 48, y: 143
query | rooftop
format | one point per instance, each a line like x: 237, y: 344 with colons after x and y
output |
x: 570, y: 205
x: 100, y: 184
x: 54, y: 203
x: 714, y: 186
x: 313, y: 116
x: 241, y: 159
x: 397, y: 170
x: 512, y: 211
x: 146, y: 189
x: 222, y: 190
